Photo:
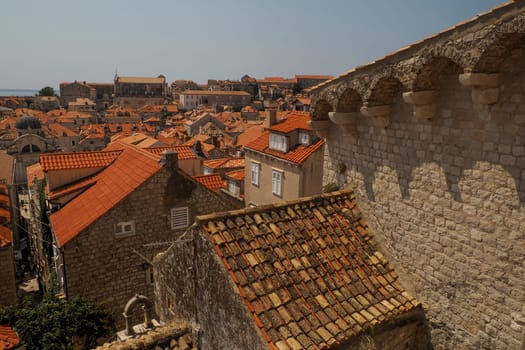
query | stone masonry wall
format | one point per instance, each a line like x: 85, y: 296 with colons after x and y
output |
x: 193, y: 286
x: 110, y: 270
x: 446, y: 197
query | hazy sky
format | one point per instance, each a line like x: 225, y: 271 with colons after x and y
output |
x: 47, y: 42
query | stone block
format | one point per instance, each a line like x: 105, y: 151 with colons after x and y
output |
x: 419, y: 97
x: 479, y: 79
x: 376, y: 111
x: 485, y: 96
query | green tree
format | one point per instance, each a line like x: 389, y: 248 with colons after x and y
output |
x: 47, y: 91
x: 53, y: 323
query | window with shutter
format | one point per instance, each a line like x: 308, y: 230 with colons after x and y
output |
x: 277, y: 182
x: 179, y: 218
x: 255, y: 168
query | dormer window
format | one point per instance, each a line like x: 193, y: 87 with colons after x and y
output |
x: 304, y: 138
x: 278, y: 142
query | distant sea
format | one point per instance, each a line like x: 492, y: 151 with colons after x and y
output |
x: 18, y: 92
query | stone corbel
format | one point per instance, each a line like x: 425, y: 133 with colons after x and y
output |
x: 485, y: 87
x: 321, y: 127
x: 424, y: 103
x: 379, y: 114
x: 347, y: 121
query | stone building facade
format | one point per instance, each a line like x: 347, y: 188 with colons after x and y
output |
x: 431, y: 140
x: 100, y: 93
x: 283, y: 163
x: 112, y: 223
x: 190, y: 99
x: 137, y: 92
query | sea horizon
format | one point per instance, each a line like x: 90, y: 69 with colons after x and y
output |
x: 18, y: 92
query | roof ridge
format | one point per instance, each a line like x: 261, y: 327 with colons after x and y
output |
x: 345, y: 192
x: 137, y: 149
x: 77, y: 153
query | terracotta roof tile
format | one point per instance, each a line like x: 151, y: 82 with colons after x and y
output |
x: 5, y: 236
x: 128, y: 171
x: 60, y: 130
x: 8, y: 338
x: 294, y: 120
x: 249, y: 135
x: 224, y: 163
x: 183, y: 152
x: 297, y: 155
x: 212, y: 181
x: 209, y: 92
x: 77, y: 160
x: 311, y: 275
x: 236, y: 174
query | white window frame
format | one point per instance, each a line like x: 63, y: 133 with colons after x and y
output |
x: 233, y: 187
x: 255, y: 173
x: 304, y: 138
x: 277, y: 182
x: 278, y: 142
x: 124, y: 228
x: 179, y: 218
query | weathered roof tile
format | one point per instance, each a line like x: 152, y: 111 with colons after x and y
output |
x: 314, y: 274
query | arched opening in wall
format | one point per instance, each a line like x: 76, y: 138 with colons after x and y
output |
x: 383, y: 92
x: 320, y: 110
x: 349, y: 101
x: 433, y: 71
x: 30, y: 148
x: 493, y: 56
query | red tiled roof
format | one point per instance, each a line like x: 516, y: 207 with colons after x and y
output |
x: 77, y: 160
x: 140, y: 80
x: 298, y: 155
x: 212, y: 181
x: 294, y: 120
x: 169, y: 140
x: 33, y: 171
x: 5, y: 214
x: 5, y: 236
x: 236, y: 174
x: 183, y: 152
x: 211, y: 93
x: 224, y: 163
x: 60, y: 130
x: 71, y: 188
x: 131, y: 168
x: 8, y: 338
x: 308, y: 271
x: 276, y: 80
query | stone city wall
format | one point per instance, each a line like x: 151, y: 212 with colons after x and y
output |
x: 432, y: 141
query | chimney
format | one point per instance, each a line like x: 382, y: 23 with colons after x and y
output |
x: 170, y: 159
x: 271, y: 116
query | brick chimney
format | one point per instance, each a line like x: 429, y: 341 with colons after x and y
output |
x: 170, y: 159
x: 271, y: 112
